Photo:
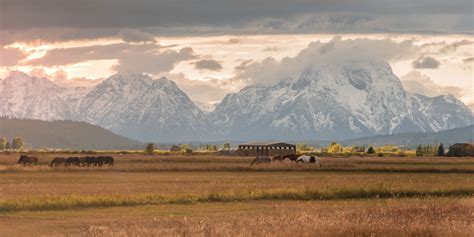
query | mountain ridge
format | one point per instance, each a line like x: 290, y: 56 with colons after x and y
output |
x: 324, y: 102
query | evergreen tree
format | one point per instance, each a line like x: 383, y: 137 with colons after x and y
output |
x: 419, y: 151
x: 150, y: 148
x: 7, y: 146
x: 227, y: 146
x: 17, y: 143
x: 371, y: 150
x: 440, y: 151
x: 3, y: 143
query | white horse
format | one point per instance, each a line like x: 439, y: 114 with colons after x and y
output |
x: 309, y: 159
x: 261, y: 159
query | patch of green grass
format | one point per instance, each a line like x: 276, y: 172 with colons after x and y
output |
x: 68, y: 202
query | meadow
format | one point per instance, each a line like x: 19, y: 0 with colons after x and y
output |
x: 211, y: 195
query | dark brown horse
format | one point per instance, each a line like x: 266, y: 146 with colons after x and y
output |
x: 291, y: 157
x: 104, y: 160
x: 90, y: 160
x: 73, y: 161
x: 28, y: 160
x: 57, y: 161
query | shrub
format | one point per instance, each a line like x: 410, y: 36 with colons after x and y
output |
x: 150, y: 148
x: 380, y: 154
x: 371, y: 150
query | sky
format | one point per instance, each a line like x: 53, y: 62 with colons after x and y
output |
x: 214, y: 47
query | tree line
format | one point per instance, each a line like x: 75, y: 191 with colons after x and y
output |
x: 16, y: 144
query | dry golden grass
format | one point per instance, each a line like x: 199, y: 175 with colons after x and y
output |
x: 209, y: 195
x: 391, y: 217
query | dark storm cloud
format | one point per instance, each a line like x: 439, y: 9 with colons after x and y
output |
x: 237, y: 16
x: 428, y: 62
x: 208, y: 64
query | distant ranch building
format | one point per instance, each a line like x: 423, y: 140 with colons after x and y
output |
x: 266, y: 149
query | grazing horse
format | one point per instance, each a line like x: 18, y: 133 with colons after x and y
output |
x: 262, y: 159
x: 291, y: 157
x: 73, y: 161
x: 57, y: 161
x: 102, y: 160
x: 278, y: 158
x: 27, y: 160
x: 90, y: 160
x: 309, y: 159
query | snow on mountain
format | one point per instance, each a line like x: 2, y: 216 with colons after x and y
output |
x: 22, y: 96
x: 205, y: 107
x: 342, y: 101
x: 141, y: 108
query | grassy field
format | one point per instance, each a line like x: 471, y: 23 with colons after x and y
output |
x: 212, y: 195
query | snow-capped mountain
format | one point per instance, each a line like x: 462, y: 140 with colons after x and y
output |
x: 144, y: 109
x: 22, y: 96
x: 342, y: 101
x: 335, y: 102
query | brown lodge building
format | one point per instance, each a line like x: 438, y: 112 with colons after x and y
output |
x: 266, y: 148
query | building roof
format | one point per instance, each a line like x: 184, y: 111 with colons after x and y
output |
x: 266, y: 143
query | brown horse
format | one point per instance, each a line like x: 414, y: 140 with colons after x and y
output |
x: 57, y: 161
x: 261, y: 159
x: 105, y: 160
x: 27, y: 160
x: 73, y: 161
x: 277, y: 158
x: 291, y: 157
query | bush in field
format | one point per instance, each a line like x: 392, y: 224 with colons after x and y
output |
x: 150, y: 148
x: 335, y: 148
x: 380, y: 154
x: 3, y: 143
x: 419, y: 151
x: 371, y: 150
x: 7, y: 146
x: 440, y: 151
x: 17, y: 143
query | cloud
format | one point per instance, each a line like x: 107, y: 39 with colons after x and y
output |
x: 55, y: 20
x: 427, y: 62
x: 272, y: 49
x: 152, y: 62
x: 208, y: 64
x: 10, y: 56
x: 209, y: 91
x: 66, y: 56
x: 418, y: 83
x: 454, y: 46
x: 136, y: 36
x: 334, y: 52
x: 468, y: 60
x: 131, y: 58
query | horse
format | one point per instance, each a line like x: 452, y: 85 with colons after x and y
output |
x: 291, y: 157
x: 101, y: 160
x: 57, y: 161
x: 309, y: 159
x: 90, y: 160
x: 27, y: 160
x: 73, y: 161
x: 277, y: 158
x: 262, y: 159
